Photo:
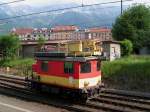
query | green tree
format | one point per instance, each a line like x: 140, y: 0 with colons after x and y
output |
x: 41, y: 42
x: 9, y: 46
x: 126, y: 47
x: 133, y: 24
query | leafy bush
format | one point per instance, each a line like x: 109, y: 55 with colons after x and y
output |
x: 126, y: 47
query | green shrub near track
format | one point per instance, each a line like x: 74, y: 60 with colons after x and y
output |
x: 16, y: 62
x: 130, y: 73
x: 17, y: 66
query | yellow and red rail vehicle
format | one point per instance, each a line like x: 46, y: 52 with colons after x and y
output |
x: 73, y: 76
x: 76, y: 73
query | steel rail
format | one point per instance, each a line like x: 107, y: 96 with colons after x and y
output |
x: 124, y: 98
x: 19, y: 78
x: 13, y: 81
x: 133, y: 94
x: 127, y: 104
x: 108, y: 100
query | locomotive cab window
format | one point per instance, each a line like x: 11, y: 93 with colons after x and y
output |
x: 85, y: 67
x: 98, y: 65
x: 44, y: 66
x: 68, y: 67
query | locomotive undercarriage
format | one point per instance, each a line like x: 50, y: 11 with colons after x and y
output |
x: 74, y: 94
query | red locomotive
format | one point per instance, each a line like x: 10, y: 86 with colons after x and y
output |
x: 75, y: 76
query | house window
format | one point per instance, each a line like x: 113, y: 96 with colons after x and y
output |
x: 68, y: 67
x: 98, y: 65
x: 44, y: 66
x: 85, y: 67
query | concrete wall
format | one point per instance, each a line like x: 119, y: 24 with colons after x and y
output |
x: 112, y: 51
x: 27, y: 51
x: 115, y: 51
x: 106, y: 50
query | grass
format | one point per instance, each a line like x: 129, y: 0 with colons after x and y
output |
x: 131, y: 73
x: 17, y: 66
x: 16, y: 62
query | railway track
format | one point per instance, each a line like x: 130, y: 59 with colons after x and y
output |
x: 110, y: 100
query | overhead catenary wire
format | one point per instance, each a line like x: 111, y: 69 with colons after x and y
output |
x: 86, y: 6
x: 61, y: 9
x: 10, y: 21
x: 11, y: 2
x: 101, y: 8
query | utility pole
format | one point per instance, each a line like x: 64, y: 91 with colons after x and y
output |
x: 82, y: 4
x: 121, y: 7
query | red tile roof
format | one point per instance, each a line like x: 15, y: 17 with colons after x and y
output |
x: 98, y: 30
x: 22, y: 31
x: 64, y: 28
x: 42, y: 30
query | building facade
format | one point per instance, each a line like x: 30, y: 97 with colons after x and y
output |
x: 111, y: 50
x: 103, y: 34
x: 62, y: 34
x: 31, y: 33
x: 69, y: 32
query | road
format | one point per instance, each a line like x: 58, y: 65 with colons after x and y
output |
x: 11, y: 104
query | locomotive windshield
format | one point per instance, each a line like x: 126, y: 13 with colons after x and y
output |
x: 68, y: 67
x: 85, y: 67
x: 44, y: 66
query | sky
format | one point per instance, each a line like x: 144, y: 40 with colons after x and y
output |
x: 52, y: 2
x: 44, y: 2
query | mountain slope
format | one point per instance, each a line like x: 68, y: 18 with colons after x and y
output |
x: 82, y: 17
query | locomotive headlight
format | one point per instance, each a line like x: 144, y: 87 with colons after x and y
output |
x: 86, y: 84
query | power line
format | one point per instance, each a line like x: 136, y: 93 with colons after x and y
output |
x: 77, y: 7
x: 96, y: 8
x: 16, y: 1
x: 83, y: 22
x: 61, y: 9
x: 78, y: 22
x: 10, y: 21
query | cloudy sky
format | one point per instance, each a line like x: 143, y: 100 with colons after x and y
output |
x: 51, y: 2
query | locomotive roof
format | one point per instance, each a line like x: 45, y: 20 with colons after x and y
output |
x: 47, y: 56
